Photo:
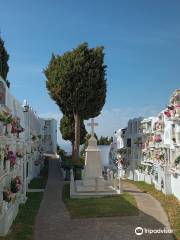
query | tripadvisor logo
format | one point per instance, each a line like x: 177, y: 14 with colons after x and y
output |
x: 138, y: 231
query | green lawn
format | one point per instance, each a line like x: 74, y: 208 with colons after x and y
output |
x: 110, y: 206
x: 38, y: 183
x: 23, y: 226
x: 41, y: 180
x: 170, y: 204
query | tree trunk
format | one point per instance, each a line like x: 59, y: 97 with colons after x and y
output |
x: 72, y: 149
x: 77, y: 136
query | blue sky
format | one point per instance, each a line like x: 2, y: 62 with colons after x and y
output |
x: 142, y: 47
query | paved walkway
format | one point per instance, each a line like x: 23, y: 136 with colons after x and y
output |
x: 54, y: 223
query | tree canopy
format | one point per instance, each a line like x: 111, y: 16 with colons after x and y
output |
x: 76, y: 82
x: 67, y: 129
x: 105, y: 140
x: 4, y: 57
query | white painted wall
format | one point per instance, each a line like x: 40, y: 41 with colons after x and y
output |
x: 175, y: 183
x: 50, y: 135
x: 105, y: 149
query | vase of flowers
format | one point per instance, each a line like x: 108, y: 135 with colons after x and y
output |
x: 16, y: 184
x: 8, y: 196
x: 5, y: 123
x: 157, y: 138
x: 8, y: 121
x: 12, y: 158
x: 16, y: 126
x: 167, y: 113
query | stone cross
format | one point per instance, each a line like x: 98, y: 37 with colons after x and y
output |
x: 92, y: 124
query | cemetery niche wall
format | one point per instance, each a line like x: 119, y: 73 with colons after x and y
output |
x: 153, y: 155
x: 21, y: 153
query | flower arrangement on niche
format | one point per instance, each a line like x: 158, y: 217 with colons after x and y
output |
x: 173, y: 110
x: 5, y: 123
x: 160, y: 156
x: 6, y: 117
x: 19, y: 154
x: 177, y: 161
x: 8, y: 196
x: 9, y: 124
x: 12, y: 158
x: 16, y: 126
x: 16, y: 184
x: 10, y: 155
x: 157, y: 138
x: 170, y: 111
x: 159, y: 125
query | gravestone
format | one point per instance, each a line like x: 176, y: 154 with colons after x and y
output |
x: 93, y: 183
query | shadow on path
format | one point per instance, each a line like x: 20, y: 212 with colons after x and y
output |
x: 54, y: 223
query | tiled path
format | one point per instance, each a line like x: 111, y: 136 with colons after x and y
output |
x: 54, y: 223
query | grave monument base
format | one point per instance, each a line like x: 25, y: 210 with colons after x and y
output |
x: 93, y: 184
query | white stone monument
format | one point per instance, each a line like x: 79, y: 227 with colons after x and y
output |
x: 93, y: 183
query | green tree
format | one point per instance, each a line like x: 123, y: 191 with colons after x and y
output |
x: 105, y: 141
x: 4, y: 57
x: 61, y: 152
x: 67, y: 130
x: 76, y: 82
